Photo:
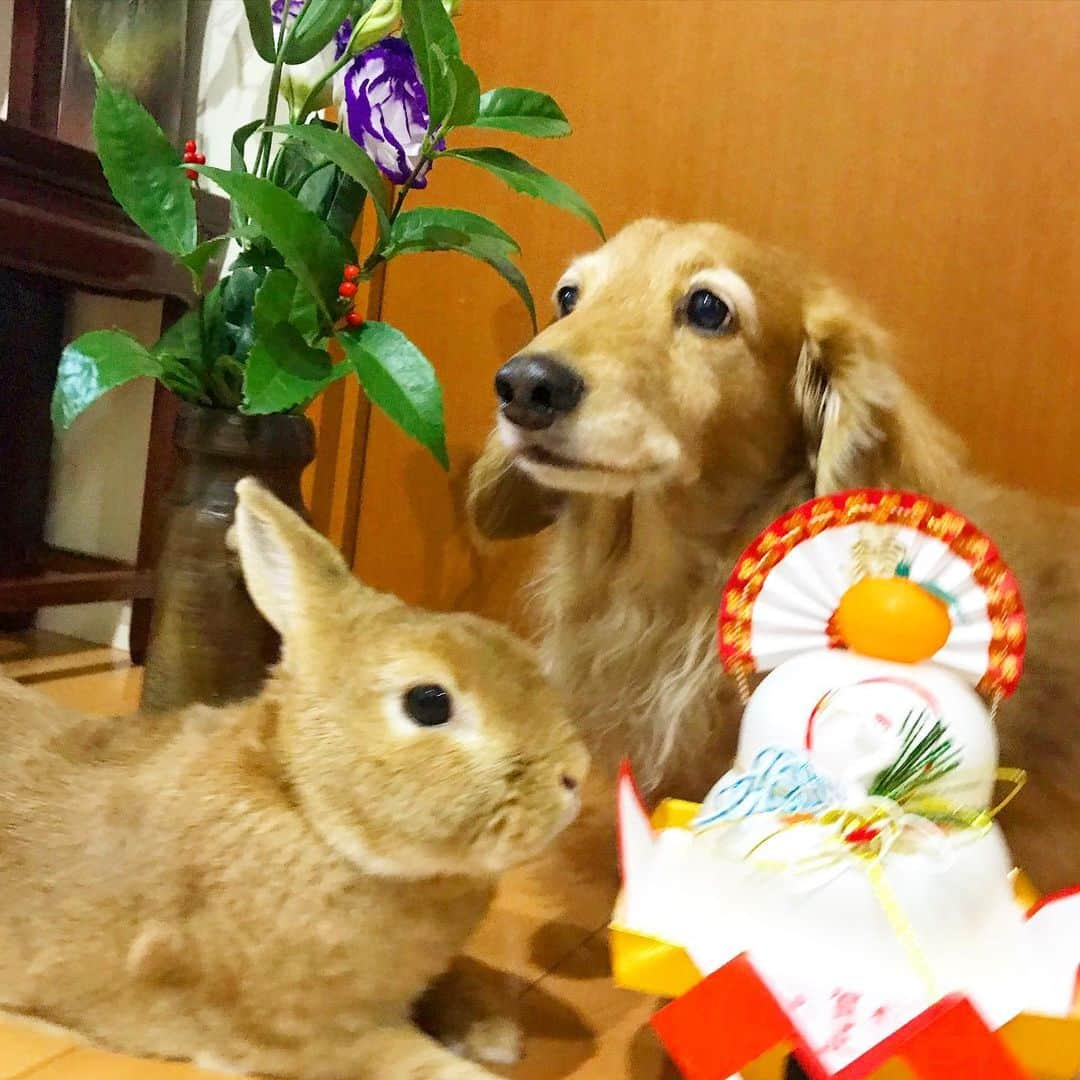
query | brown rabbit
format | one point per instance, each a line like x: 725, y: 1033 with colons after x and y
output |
x: 269, y: 887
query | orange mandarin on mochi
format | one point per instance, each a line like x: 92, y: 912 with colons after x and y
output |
x: 893, y: 619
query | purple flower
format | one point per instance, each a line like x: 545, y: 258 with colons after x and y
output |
x: 277, y: 9
x: 341, y: 38
x: 386, y: 109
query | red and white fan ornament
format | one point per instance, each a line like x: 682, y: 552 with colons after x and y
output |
x: 884, y: 573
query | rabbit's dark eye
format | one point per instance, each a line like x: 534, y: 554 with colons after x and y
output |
x: 429, y: 705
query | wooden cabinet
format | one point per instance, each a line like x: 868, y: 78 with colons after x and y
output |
x: 61, y: 229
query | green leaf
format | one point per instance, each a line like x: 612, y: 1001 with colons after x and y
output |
x: 215, y: 336
x: 467, y: 99
x: 345, y: 205
x: 239, y: 141
x: 442, y: 98
x: 226, y: 380
x: 314, y: 186
x: 430, y: 33
x: 318, y: 22
x: 274, y: 300
x: 304, y: 315
x: 512, y: 275
x: 141, y: 166
x: 434, y: 228
x: 183, y: 340
x: 520, y: 175
x: 441, y: 229
x: 343, y: 152
x: 200, y: 257
x: 229, y: 321
x: 239, y: 165
x: 178, y: 377
x: 310, y: 249
x: 456, y: 99
x: 413, y: 228
x: 319, y: 185
x: 528, y: 112
x: 262, y: 28
x: 400, y: 380
x: 93, y: 364
x: 281, y: 298
x: 259, y: 256
x: 284, y: 371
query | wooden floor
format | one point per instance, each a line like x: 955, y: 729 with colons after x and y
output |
x: 546, y: 931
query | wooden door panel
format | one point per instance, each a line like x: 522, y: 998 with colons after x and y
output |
x: 925, y: 154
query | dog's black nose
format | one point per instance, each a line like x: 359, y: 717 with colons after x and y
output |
x: 536, y: 390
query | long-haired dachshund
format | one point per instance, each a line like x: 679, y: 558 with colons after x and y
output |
x: 695, y: 385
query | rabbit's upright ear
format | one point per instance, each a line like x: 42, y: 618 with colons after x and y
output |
x: 289, y: 568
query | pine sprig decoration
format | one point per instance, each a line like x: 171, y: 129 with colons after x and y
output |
x: 927, y: 754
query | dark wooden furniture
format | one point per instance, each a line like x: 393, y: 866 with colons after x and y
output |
x: 60, y: 229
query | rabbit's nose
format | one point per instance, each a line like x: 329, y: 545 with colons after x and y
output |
x: 569, y: 782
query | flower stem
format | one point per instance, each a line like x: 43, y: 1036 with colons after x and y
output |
x: 375, y: 259
x: 425, y: 158
x: 402, y: 193
x: 285, y: 33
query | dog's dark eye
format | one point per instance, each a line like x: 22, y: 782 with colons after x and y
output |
x: 566, y: 298
x: 429, y: 705
x: 706, y: 311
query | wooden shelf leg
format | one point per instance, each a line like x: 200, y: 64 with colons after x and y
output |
x: 160, y: 470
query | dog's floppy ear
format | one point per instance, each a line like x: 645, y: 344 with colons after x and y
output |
x: 864, y: 426
x: 504, y: 502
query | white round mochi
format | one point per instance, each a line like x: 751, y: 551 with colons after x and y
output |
x: 847, y: 712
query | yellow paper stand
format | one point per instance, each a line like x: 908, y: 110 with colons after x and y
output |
x: 644, y: 963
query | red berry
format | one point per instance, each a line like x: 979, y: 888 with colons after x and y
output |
x: 351, y: 272
x: 191, y: 174
x: 200, y: 159
x: 189, y: 159
x: 190, y: 147
x: 347, y: 289
x: 354, y: 318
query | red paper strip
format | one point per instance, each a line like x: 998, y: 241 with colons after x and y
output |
x: 731, y: 1018
x: 727, y: 1020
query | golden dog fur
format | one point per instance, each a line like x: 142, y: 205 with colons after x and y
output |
x: 684, y: 446
x: 269, y: 887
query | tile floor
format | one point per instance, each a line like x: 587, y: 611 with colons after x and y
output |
x: 546, y: 931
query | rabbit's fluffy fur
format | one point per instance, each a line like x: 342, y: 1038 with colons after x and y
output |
x: 270, y: 886
x: 685, y: 444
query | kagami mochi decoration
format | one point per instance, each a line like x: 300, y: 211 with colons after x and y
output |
x: 843, y: 890
x: 875, y: 612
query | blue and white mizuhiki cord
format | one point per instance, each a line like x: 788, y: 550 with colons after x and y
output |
x: 778, y: 781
